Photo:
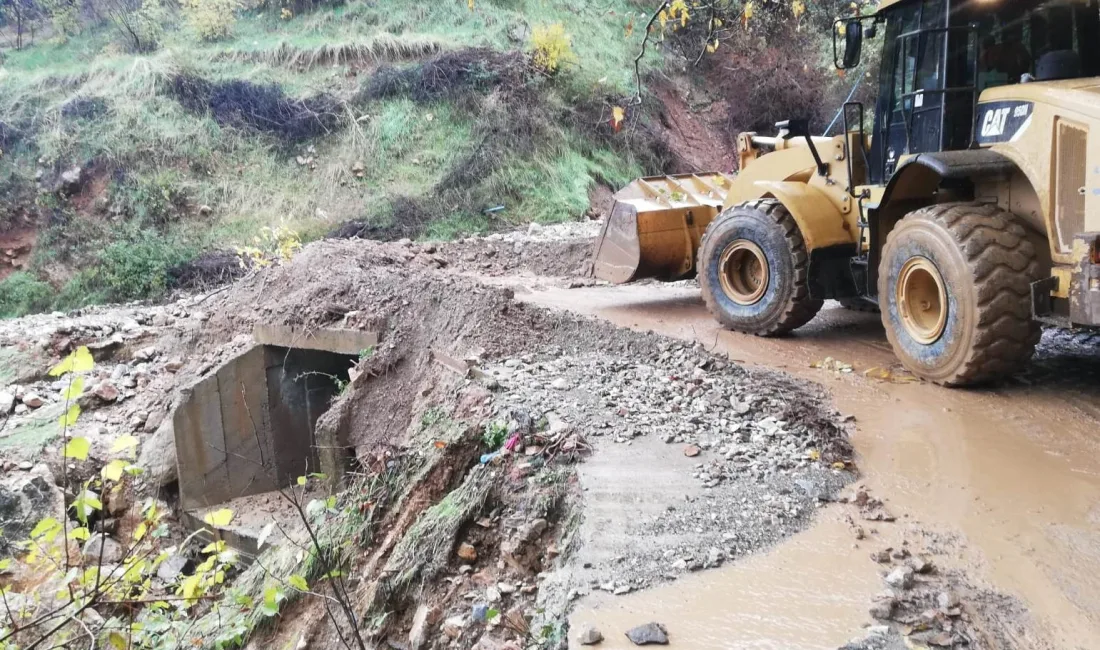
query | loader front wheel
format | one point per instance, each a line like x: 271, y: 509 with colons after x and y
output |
x: 753, y: 268
x: 954, y: 286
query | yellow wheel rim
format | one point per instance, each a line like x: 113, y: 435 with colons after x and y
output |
x: 922, y: 300
x: 743, y: 272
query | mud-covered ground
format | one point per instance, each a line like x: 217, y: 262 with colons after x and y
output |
x: 523, y: 416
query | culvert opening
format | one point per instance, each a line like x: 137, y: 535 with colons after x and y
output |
x: 249, y: 429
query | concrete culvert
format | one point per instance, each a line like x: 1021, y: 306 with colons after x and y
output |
x: 248, y: 428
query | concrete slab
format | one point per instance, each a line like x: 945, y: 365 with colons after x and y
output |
x: 337, y: 340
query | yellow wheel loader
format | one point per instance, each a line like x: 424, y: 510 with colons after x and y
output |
x: 965, y: 205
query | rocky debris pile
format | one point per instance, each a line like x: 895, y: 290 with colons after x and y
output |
x: 761, y: 452
x: 920, y: 605
x: 724, y: 415
x: 558, y: 250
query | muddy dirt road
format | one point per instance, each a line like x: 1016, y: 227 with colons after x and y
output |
x: 1008, y: 478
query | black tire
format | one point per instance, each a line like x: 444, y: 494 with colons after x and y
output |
x: 987, y: 265
x: 785, y: 303
x: 859, y: 304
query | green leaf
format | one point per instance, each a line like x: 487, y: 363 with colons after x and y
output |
x: 77, y: 447
x: 298, y: 582
x: 301, y: 480
x: 219, y: 518
x: 123, y: 443
x: 79, y: 361
x: 492, y: 614
x: 86, y: 503
x: 5, y: 564
x: 320, y: 476
x: 74, y: 389
x: 112, y: 471
x: 214, y: 547
x: 79, y: 534
x: 46, y: 529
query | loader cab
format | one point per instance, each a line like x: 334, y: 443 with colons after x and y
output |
x: 938, y: 56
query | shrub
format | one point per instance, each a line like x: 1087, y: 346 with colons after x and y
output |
x: 136, y: 267
x: 211, y: 19
x: 21, y: 293
x: 551, y: 48
x: 139, y: 23
x: 155, y: 200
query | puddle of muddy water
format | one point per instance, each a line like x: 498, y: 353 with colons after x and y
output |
x: 809, y: 593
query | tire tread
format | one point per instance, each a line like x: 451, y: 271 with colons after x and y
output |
x: 1003, y: 264
x: 800, y: 308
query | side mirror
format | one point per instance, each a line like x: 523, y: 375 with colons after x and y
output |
x: 852, y: 33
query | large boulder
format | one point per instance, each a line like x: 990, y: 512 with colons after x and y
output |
x: 158, y: 455
x: 25, y: 499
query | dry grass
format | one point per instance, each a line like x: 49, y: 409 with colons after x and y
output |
x: 383, y: 48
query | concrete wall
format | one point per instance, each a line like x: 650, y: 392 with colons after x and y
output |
x: 249, y: 427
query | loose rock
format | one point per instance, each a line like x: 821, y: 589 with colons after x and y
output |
x: 589, y: 635
x: 467, y: 552
x: 648, y: 634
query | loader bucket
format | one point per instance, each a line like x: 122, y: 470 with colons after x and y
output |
x: 655, y: 226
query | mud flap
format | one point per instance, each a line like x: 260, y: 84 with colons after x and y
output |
x: 831, y: 274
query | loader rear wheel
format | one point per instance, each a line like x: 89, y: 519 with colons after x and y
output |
x: 955, y: 290
x: 753, y: 269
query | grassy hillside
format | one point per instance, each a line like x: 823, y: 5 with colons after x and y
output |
x: 408, y: 118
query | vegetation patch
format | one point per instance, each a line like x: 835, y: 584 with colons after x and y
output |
x: 263, y: 107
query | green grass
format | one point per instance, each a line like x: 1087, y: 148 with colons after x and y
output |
x: 165, y: 163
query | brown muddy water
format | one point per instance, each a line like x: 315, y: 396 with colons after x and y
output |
x: 1011, y: 473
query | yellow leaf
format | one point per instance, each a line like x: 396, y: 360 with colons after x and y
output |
x: 70, y: 417
x: 77, y: 447
x: 117, y: 641
x: 798, y: 8
x: 140, y: 531
x: 814, y: 454
x: 190, y: 588
x: 219, y: 518
x: 712, y: 47
x: 663, y: 18
x: 746, y: 14
x: 75, y: 388
x: 123, y: 443
x: 301, y: 480
x: 112, y: 471
x: 79, y: 361
x: 470, y: 4
x: 838, y: 465
x: 214, y: 547
x: 80, y: 533
x: 617, y: 117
